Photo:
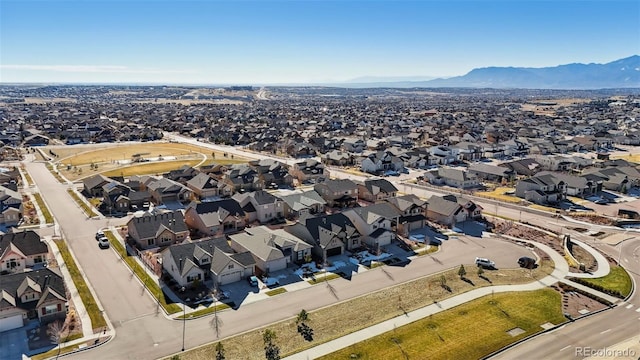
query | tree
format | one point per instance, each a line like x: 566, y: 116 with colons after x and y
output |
x: 303, y: 316
x: 219, y: 351
x: 56, y: 331
x: 462, y: 272
x: 303, y: 329
x: 271, y: 350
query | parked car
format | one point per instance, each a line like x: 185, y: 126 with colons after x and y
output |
x: 253, y: 280
x: 527, y: 262
x: 103, y: 243
x: 485, y: 263
x: 99, y: 234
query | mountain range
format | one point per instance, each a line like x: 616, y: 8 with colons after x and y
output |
x: 623, y: 73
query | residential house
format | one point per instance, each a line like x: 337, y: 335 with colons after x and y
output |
x: 541, y: 189
x: 272, y: 174
x: 451, y: 209
x: 616, y: 178
x: 523, y: 167
x: 493, y: 173
x: 272, y: 250
x: 339, y: 158
x: 22, y: 250
x: 302, y: 203
x: 38, y: 294
x: 381, y: 161
x: 93, y: 185
x: 441, y: 155
x: 261, y: 206
x: 182, y: 174
x: 241, y: 178
x: 376, y: 223
x: 454, y: 177
x: 376, y: 190
x: 215, y: 218
x: 309, y: 171
x: 205, y: 260
x: 338, y: 193
x: 354, y: 145
x: 204, y: 186
x: 413, y: 211
x: 10, y: 207
x: 154, y: 230
x: 165, y: 191
x: 579, y: 186
x: 329, y: 235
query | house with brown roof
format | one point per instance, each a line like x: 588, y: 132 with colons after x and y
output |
x: 22, y: 250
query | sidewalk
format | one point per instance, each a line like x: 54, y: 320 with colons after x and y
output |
x: 603, y: 264
x: 560, y: 271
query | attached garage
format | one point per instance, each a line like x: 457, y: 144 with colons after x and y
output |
x: 334, y: 251
x: 230, y: 277
x: 11, y: 322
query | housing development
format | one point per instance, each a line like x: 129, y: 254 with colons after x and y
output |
x: 177, y: 222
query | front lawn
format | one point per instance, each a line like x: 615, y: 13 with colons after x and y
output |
x: 319, y: 278
x: 48, y: 218
x: 617, y: 282
x: 469, y: 331
x: 276, y: 291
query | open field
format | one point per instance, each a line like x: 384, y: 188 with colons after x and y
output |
x: 346, y: 317
x: 469, y: 331
x: 549, y: 107
x: 629, y: 157
x: 499, y: 194
x: 188, y: 102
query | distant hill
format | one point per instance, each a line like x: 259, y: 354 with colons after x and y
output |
x: 623, y: 73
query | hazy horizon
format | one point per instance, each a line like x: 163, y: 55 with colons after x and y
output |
x: 301, y: 42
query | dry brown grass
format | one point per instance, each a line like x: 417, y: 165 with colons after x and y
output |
x: 499, y: 194
x: 355, y: 314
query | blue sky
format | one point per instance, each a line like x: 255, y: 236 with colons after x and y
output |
x: 254, y: 42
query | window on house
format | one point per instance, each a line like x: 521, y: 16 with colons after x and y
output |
x: 354, y: 241
x: 151, y: 241
x: 12, y: 264
x: 230, y: 266
x: 50, y: 309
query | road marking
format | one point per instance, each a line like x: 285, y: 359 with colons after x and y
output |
x: 629, y: 306
x: 565, y: 348
x: 606, y: 331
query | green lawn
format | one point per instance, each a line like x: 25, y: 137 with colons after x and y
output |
x: 469, y: 331
x: 276, y: 291
x: 617, y: 282
x: 141, y: 273
x: 97, y: 320
x: 86, y: 208
x: 320, y: 278
x: 48, y: 218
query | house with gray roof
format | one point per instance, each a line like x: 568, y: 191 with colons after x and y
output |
x: 376, y: 223
x: 541, y: 189
x: 493, y: 173
x: 309, y: 171
x: 22, y: 250
x: 272, y: 250
x: 413, y: 213
x: 39, y: 294
x: 451, y: 209
x: 156, y: 230
x: 215, y: 218
x: 165, y: 191
x: 454, y: 177
x: 302, y: 203
x: 338, y: 192
x: 329, y: 235
x: 10, y: 207
x: 204, y: 186
x: 206, y: 260
x: 93, y: 185
x: 260, y: 206
x: 376, y: 190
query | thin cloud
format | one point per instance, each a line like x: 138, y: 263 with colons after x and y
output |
x: 92, y: 69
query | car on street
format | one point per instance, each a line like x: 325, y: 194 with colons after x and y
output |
x: 485, y: 263
x: 103, y: 243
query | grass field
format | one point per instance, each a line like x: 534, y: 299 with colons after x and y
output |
x: 140, y: 272
x: 617, y: 280
x: 630, y: 157
x: 346, y: 317
x: 203, y: 312
x: 48, y: 218
x: 320, y: 278
x: 97, y: 320
x: 469, y: 331
x: 499, y: 194
x: 276, y: 291
x: 151, y: 168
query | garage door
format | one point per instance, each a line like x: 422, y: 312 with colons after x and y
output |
x: 334, y: 251
x: 229, y: 278
x: 11, y: 323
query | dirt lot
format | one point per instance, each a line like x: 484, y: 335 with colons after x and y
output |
x: 575, y: 303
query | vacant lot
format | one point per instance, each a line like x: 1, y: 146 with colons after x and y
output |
x: 355, y: 314
x: 468, y: 331
x: 500, y: 193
